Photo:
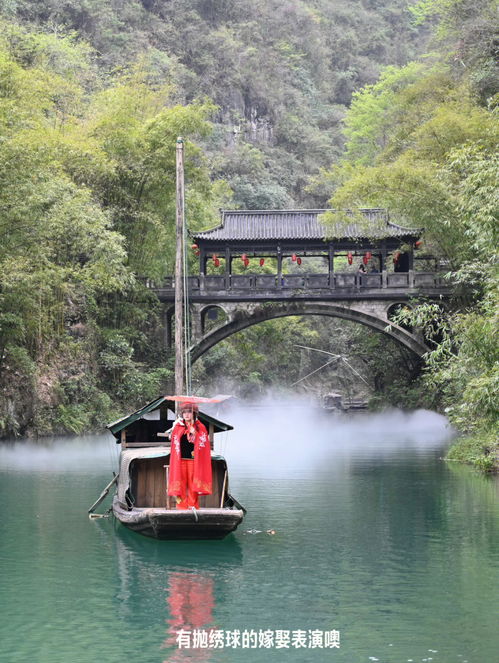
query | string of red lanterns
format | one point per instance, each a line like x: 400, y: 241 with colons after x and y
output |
x: 295, y: 258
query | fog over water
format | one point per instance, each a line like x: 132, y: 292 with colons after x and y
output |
x: 277, y: 428
x: 294, y: 433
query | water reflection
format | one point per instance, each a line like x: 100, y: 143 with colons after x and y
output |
x: 190, y: 574
x: 190, y: 602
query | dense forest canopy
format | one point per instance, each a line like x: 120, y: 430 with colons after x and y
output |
x: 288, y: 104
x: 280, y: 73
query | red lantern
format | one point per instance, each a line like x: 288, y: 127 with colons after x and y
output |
x: 217, y: 262
x: 262, y: 262
x: 350, y: 258
x: 246, y: 262
x: 365, y: 259
x: 244, y: 257
x: 214, y: 257
x: 418, y: 244
x: 396, y: 257
x: 368, y: 255
x: 293, y: 257
x: 194, y: 247
x: 298, y: 261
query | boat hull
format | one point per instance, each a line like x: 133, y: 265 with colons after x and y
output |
x: 158, y: 523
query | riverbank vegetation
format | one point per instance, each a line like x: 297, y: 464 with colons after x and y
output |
x: 282, y: 105
x: 423, y: 142
x: 87, y: 202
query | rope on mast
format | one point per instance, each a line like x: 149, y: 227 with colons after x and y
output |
x: 187, y: 316
x: 183, y: 380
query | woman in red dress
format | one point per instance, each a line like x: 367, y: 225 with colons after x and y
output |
x: 190, y: 459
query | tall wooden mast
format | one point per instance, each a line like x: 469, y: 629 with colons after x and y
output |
x: 179, y: 276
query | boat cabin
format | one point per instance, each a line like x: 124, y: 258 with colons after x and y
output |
x: 148, y: 426
x: 144, y: 479
x: 145, y: 458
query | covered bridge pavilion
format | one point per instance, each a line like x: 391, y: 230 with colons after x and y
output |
x: 251, y: 270
x: 367, y: 237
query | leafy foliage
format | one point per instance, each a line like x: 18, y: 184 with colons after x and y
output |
x: 423, y: 142
x: 87, y: 181
x: 281, y: 74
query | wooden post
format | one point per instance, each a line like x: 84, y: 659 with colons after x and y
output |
x: 179, y: 263
x: 382, y: 259
x: 202, y: 269
x: 228, y: 268
x: 167, y: 501
x: 223, y: 490
x: 331, y: 266
x: 279, y: 267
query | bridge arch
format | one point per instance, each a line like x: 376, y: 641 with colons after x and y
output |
x: 252, y: 315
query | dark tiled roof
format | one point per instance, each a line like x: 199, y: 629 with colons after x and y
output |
x: 303, y: 224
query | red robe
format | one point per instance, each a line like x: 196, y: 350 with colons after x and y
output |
x: 202, y: 460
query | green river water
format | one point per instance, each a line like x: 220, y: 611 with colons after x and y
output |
x: 378, y: 543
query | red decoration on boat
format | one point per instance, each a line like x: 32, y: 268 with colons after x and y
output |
x: 418, y: 243
x: 365, y: 259
x: 396, y: 257
x: 217, y: 262
x: 194, y: 246
x: 246, y: 262
x: 214, y: 257
x: 350, y: 258
x: 368, y: 255
x: 244, y: 257
x: 298, y: 261
x: 262, y: 262
x: 197, y: 252
x: 293, y: 257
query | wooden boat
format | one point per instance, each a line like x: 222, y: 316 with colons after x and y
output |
x: 141, y: 502
x: 333, y: 402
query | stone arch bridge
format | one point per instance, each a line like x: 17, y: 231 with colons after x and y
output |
x: 368, y: 272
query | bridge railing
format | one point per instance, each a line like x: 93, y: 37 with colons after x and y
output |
x: 338, y: 281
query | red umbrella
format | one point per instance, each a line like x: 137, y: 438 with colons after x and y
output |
x: 199, y: 399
